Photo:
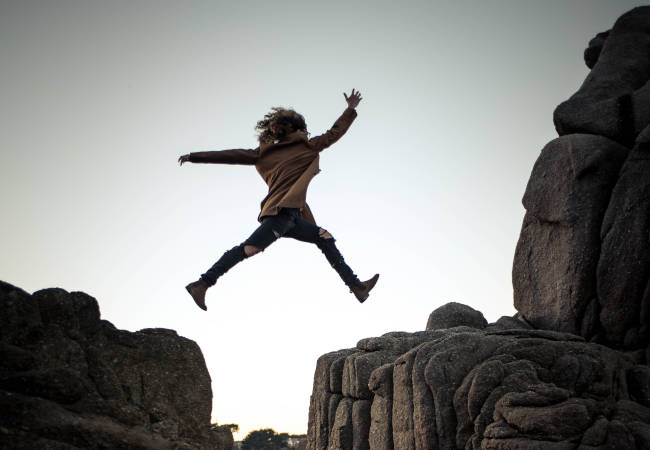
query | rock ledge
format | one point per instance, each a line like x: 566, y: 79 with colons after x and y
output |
x: 70, y: 380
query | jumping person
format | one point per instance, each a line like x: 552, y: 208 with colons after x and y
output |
x: 287, y: 160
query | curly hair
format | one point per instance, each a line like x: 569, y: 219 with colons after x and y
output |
x: 279, y: 123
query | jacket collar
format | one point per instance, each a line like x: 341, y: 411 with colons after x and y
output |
x: 296, y: 136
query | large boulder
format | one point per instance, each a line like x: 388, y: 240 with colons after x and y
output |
x: 455, y: 314
x: 612, y: 101
x: 339, y: 410
x: 582, y: 263
x: 554, y: 269
x: 624, y: 264
x: 71, y: 380
x: 570, y: 370
x: 501, y: 389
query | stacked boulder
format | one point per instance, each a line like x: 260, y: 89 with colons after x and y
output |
x: 472, y: 385
x: 582, y: 263
x: 69, y: 380
x: 570, y: 369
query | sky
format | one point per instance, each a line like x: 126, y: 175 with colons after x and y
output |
x: 100, y: 98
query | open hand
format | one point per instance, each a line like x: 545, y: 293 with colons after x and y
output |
x: 183, y: 159
x: 354, y: 99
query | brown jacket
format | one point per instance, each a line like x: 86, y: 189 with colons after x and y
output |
x: 287, y: 166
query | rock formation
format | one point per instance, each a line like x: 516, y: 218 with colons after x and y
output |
x: 582, y: 263
x: 570, y: 369
x: 69, y: 380
x: 504, y: 386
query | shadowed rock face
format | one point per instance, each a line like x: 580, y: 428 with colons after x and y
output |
x: 70, y: 380
x: 582, y: 263
x: 624, y: 264
x: 554, y: 270
x: 472, y: 388
x: 570, y: 369
x: 614, y: 99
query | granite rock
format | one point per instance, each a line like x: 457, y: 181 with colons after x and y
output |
x: 554, y: 269
x: 71, y: 380
x: 517, y: 388
x: 455, y: 314
x: 607, y: 103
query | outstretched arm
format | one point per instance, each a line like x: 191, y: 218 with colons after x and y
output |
x: 237, y: 156
x: 341, y: 125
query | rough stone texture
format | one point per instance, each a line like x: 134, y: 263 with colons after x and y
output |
x: 381, y: 429
x: 582, y: 263
x: 324, y: 400
x: 554, y: 270
x: 592, y: 52
x: 509, y: 323
x: 468, y: 388
x: 342, y: 433
x: 570, y: 369
x: 360, y: 424
x: 70, y: 380
x: 454, y: 315
x: 624, y: 266
x: 610, y: 102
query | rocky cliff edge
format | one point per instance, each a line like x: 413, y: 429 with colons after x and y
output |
x: 570, y: 370
x: 69, y: 380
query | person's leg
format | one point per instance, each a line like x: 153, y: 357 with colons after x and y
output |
x: 269, y: 231
x: 308, y: 232
x: 271, y: 228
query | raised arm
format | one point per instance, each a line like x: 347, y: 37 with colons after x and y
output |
x: 341, y: 125
x: 236, y: 156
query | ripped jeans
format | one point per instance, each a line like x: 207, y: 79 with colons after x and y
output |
x: 287, y: 223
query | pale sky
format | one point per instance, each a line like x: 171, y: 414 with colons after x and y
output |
x: 99, y: 98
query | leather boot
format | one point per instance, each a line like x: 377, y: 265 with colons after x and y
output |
x: 362, y: 289
x: 197, y: 291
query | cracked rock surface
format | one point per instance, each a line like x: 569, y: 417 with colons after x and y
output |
x: 69, y: 380
x: 582, y: 263
x: 570, y: 369
x: 492, y: 387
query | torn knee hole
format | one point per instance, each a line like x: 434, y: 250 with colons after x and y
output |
x: 277, y: 235
x: 251, y: 250
x: 324, y: 234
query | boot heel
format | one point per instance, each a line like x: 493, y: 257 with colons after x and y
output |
x: 362, y: 290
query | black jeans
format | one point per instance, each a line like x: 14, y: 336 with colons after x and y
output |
x: 287, y: 223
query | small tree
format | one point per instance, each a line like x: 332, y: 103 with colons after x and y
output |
x: 266, y: 439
